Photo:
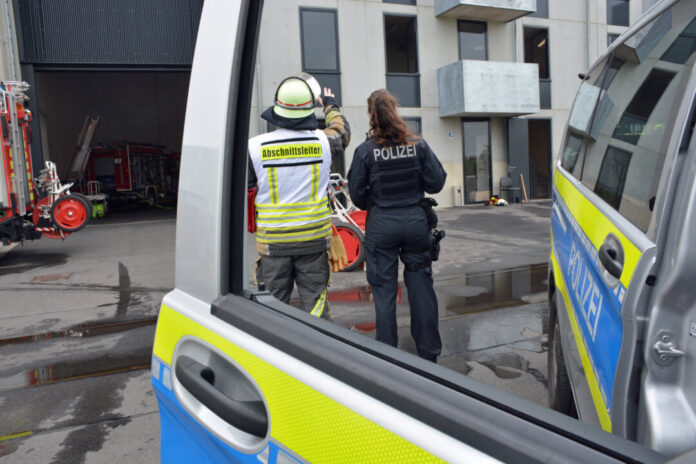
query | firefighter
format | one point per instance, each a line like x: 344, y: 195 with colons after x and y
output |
x: 290, y: 167
x: 389, y: 175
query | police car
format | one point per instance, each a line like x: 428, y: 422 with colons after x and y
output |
x: 622, y: 281
x: 241, y: 377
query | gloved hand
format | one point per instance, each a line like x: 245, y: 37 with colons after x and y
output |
x: 337, y: 252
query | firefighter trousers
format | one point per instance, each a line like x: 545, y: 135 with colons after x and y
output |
x: 311, y: 274
x: 402, y: 232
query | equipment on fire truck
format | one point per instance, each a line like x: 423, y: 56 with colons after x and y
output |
x: 348, y: 220
x: 23, y: 215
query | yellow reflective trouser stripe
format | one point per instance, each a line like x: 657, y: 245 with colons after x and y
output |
x: 592, y: 382
x: 307, y: 431
x: 318, y: 308
x: 273, y: 184
x: 290, y: 206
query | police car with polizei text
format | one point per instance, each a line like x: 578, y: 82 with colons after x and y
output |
x: 623, y: 263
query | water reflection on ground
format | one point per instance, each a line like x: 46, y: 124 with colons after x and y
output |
x: 493, y: 325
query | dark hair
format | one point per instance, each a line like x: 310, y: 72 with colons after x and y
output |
x: 386, y: 126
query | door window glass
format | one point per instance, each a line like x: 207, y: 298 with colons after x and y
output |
x: 612, y: 175
x: 477, y: 160
x: 625, y: 154
x: 571, y: 153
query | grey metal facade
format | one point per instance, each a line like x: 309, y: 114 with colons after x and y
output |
x: 107, y: 32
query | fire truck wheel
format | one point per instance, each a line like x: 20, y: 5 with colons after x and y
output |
x: 354, y: 243
x: 87, y: 202
x: 48, y: 232
x: 69, y: 213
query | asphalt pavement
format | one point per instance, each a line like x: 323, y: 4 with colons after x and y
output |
x: 78, y: 318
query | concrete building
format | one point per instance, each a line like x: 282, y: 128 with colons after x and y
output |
x: 488, y: 83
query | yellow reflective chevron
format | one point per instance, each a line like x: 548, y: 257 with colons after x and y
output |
x: 316, y: 427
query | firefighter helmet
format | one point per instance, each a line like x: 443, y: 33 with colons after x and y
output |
x: 294, y: 99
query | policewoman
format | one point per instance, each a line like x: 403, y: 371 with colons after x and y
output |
x: 390, y: 173
x: 290, y: 168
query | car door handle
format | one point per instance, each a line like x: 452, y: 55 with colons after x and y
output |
x: 611, y: 258
x: 199, y: 381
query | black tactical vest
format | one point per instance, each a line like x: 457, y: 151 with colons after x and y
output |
x: 394, y: 175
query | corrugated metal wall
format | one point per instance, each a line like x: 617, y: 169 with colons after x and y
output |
x: 108, y: 32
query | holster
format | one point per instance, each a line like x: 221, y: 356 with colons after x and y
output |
x: 427, y: 204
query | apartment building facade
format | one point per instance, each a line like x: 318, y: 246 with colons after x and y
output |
x: 488, y: 83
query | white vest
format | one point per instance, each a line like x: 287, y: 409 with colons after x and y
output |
x: 292, y: 172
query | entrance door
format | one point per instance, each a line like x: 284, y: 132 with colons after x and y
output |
x: 539, y: 158
x: 477, y: 160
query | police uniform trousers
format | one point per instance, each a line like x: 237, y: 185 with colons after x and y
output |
x: 404, y: 232
x: 310, y: 272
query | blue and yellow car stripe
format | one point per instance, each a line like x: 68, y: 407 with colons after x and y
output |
x: 328, y: 429
x: 579, y: 229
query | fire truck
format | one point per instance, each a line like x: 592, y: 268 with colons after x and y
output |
x: 31, y: 208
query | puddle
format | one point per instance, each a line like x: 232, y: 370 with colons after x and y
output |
x: 471, y: 292
x: 81, y: 330
x: 86, y: 364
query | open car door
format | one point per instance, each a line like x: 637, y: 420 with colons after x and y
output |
x: 241, y: 377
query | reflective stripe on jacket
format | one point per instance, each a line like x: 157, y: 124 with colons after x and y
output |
x: 292, y: 171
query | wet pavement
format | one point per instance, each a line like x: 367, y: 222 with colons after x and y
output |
x: 78, y: 318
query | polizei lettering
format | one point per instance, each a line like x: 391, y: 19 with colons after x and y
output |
x: 395, y: 152
x: 275, y: 152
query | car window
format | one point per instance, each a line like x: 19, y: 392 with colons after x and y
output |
x: 623, y: 162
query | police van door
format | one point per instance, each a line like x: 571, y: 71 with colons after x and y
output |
x: 241, y: 377
x: 613, y: 190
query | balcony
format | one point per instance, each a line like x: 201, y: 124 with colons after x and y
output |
x: 485, y: 10
x: 488, y: 88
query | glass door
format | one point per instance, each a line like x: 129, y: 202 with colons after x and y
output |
x: 477, y: 160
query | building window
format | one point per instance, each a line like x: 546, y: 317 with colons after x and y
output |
x: 414, y: 125
x: 617, y: 12
x: 542, y: 10
x: 473, y: 40
x: 536, y: 50
x: 401, y: 2
x: 319, y: 37
x: 401, y: 50
x: 611, y: 38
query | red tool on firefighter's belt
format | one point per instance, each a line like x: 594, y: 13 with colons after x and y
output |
x: 251, y: 209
